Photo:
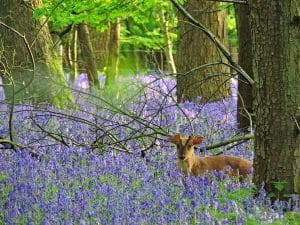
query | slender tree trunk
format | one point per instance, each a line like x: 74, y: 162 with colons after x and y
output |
x: 87, y: 54
x: 75, y: 53
x: 70, y: 57
x: 245, y: 98
x: 275, y: 34
x: 168, y: 49
x: 48, y: 83
x: 113, y: 48
x: 196, y: 49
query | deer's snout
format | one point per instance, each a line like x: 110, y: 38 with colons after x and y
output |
x: 182, y: 157
x: 181, y: 154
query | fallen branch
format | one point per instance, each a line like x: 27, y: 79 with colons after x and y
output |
x: 13, y: 145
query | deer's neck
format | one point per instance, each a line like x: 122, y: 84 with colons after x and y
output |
x: 187, y: 165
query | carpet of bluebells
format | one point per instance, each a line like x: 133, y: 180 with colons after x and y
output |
x: 72, y: 182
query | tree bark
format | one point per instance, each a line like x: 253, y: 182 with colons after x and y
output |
x: 87, y: 55
x: 100, y: 40
x: 245, y: 97
x: 196, y: 49
x: 47, y: 83
x: 113, y: 56
x: 276, y: 34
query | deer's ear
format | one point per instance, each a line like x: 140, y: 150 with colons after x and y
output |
x: 175, y: 139
x: 197, y: 140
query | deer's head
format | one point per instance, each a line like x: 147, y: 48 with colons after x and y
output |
x: 185, y: 145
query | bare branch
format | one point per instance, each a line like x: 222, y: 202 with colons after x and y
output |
x: 233, y: 140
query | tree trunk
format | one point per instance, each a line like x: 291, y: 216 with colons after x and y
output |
x: 87, y: 55
x: 245, y: 97
x: 100, y: 40
x: 71, y: 54
x: 276, y: 34
x: 196, y: 49
x: 48, y: 83
x: 113, y: 52
x: 168, y: 49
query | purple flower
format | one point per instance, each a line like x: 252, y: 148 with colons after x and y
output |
x: 73, y: 184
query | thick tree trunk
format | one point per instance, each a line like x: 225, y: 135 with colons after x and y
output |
x: 87, y: 54
x: 113, y: 56
x: 196, y: 49
x: 276, y: 47
x: 100, y: 42
x: 48, y: 83
x: 245, y: 97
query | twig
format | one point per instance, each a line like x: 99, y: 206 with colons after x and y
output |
x: 50, y: 134
x: 11, y: 112
x: 297, y: 121
x: 29, y: 51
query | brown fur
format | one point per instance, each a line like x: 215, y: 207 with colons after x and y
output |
x: 188, y: 162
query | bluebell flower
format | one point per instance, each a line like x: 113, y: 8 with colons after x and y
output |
x: 72, y: 184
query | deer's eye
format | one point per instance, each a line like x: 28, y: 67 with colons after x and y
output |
x: 189, y: 146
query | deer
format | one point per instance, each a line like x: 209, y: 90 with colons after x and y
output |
x: 190, y: 163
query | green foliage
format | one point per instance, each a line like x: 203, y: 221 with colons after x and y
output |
x: 51, y: 192
x: 3, y: 177
x: 232, y: 29
x: 143, y: 30
x: 39, y: 214
x: 228, y: 193
x: 293, y: 218
x: 96, y: 13
x: 4, y: 196
x: 279, y: 186
x: 141, y: 27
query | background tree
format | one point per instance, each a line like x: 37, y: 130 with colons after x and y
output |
x: 47, y: 82
x: 87, y: 54
x: 165, y: 16
x: 275, y: 33
x: 100, y: 39
x: 196, y: 49
x: 245, y: 98
x: 113, y: 53
x: 145, y: 42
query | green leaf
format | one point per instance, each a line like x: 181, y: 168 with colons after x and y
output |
x: 279, y: 186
